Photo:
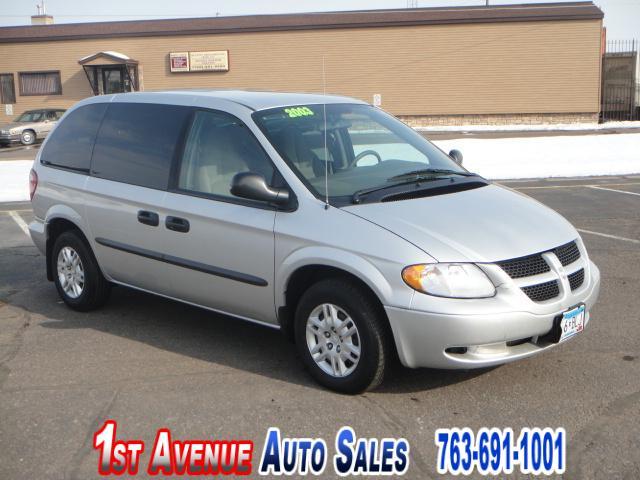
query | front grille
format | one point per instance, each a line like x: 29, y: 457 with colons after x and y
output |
x: 525, y: 266
x: 543, y: 291
x: 576, y: 279
x: 567, y: 254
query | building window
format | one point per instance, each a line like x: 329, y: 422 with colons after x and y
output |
x: 40, y: 83
x: 7, y: 88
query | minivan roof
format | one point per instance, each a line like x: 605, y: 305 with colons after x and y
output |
x: 253, y: 100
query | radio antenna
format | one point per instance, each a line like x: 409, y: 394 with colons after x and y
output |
x: 326, y: 152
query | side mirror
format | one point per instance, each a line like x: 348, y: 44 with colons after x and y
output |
x: 456, y: 155
x: 254, y: 187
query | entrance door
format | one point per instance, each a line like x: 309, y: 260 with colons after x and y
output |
x: 113, y: 80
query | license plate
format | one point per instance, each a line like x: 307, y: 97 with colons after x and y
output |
x: 572, y: 323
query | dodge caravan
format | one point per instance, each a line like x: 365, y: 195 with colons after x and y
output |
x: 322, y: 216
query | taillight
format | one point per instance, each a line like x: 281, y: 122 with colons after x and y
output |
x: 33, y: 183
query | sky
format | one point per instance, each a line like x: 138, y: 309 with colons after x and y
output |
x: 622, y: 17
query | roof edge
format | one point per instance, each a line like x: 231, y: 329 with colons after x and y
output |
x: 305, y: 21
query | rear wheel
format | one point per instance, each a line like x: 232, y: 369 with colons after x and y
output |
x: 77, y: 277
x: 341, y: 336
x: 28, y: 137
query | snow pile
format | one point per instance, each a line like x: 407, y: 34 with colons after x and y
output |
x: 494, y: 158
x: 530, y: 128
x: 543, y: 157
x: 14, y: 180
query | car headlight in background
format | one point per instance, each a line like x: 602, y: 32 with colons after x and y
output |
x: 453, y: 280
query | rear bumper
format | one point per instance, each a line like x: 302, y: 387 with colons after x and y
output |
x: 422, y: 338
x: 38, y: 235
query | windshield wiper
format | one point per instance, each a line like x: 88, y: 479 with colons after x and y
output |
x: 417, y: 176
x: 427, y: 173
x: 355, y: 198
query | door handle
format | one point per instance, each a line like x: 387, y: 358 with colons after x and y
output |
x: 177, y: 224
x: 148, y: 218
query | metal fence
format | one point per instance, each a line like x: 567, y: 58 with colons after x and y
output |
x: 620, y: 81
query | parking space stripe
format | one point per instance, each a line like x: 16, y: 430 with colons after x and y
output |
x: 606, y: 235
x: 595, y: 187
x: 21, y: 223
x: 581, y: 185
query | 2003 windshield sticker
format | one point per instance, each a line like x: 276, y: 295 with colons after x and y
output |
x: 295, y: 112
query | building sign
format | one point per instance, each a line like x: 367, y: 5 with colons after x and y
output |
x: 211, y: 61
x: 214, y: 61
x: 8, y: 109
x: 179, y: 61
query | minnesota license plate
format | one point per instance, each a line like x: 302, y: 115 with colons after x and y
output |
x: 572, y: 322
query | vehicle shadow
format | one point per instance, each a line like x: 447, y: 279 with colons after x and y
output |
x: 191, y: 331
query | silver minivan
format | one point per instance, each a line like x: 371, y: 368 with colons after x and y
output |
x: 322, y: 216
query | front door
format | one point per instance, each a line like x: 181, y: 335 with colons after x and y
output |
x: 220, y: 247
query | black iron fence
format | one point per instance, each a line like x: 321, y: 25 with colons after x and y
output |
x: 620, y: 81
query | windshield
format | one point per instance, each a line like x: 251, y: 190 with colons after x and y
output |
x: 365, y: 147
x: 35, y: 116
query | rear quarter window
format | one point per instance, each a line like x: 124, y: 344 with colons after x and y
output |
x: 69, y: 145
x: 137, y: 141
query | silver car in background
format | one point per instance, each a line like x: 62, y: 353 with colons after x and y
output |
x: 322, y: 216
x: 31, y: 126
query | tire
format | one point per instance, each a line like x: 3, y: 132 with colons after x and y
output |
x: 353, y: 307
x: 28, y: 137
x: 93, y: 290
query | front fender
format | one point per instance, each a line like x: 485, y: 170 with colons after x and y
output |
x: 331, y: 257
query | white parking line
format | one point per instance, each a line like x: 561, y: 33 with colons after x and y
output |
x: 21, y: 223
x: 606, y: 235
x: 581, y: 185
x: 597, y: 187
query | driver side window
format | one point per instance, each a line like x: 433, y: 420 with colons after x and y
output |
x: 218, y: 147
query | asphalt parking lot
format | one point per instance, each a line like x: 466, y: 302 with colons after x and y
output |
x: 150, y: 363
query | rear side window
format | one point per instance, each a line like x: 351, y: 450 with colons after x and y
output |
x: 70, y: 143
x: 136, y: 143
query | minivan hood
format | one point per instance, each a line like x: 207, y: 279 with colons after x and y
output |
x: 485, y: 224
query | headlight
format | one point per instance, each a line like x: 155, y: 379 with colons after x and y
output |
x: 453, y: 280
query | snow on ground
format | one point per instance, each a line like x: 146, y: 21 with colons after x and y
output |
x: 530, y: 128
x: 543, y: 157
x: 14, y: 180
x: 494, y: 158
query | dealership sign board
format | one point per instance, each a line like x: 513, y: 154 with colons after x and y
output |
x: 210, y: 61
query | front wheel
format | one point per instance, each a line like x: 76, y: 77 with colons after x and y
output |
x: 341, y: 336
x: 28, y: 137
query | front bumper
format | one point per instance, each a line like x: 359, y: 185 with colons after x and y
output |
x: 7, y: 139
x: 476, y: 340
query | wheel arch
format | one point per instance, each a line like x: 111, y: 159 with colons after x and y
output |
x: 60, y: 221
x: 308, y: 268
x: 32, y: 130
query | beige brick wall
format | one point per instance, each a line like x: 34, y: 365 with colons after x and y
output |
x: 546, y: 67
